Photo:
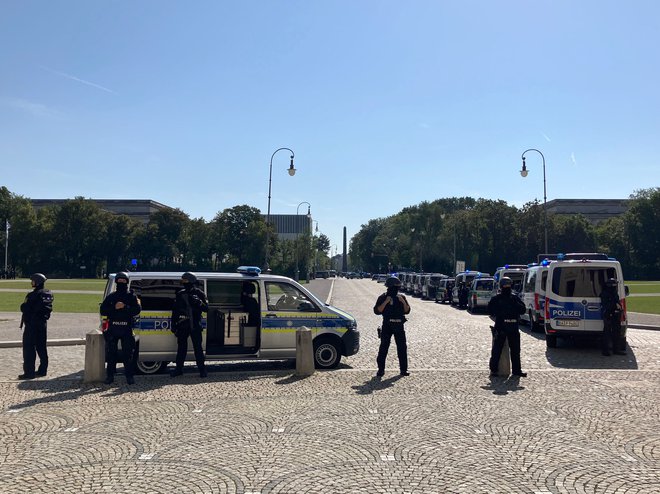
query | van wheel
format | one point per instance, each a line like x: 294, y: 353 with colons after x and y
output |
x: 327, y: 354
x: 150, y: 367
x: 551, y: 340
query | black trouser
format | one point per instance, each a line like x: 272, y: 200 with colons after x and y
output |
x: 512, y: 336
x: 195, y: 336
x: 34, y: 343
x: 399, y: 334
x: 612, y: 336
x: 112, y: 338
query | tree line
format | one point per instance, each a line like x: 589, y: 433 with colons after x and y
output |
x: 59, y: 240
x: 489, y: 233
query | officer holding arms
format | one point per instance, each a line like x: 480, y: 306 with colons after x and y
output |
x: 189, y: 304
x: 610, y: 309
x: 505, y: 309
x: 120, y: 307
x: 393, y: 307
x: 36, y: 311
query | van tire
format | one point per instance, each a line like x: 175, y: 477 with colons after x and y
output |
x: 551, y: 340
x: 152, y: 367
x: 327, y: 353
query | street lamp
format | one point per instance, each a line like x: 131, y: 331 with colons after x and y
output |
x: 316, y: 248
x: 524, y: 173
x: 292, y: 172
x: 309, y: 215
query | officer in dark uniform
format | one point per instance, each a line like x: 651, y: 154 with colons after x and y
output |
x: 505, y: 308
x: 610, y: 309
x: 463, y: 293
x: 120, y: 307
x: 189, y: 304
x: 36, y: 311
x: 393, y: 306
x: 250, y: 304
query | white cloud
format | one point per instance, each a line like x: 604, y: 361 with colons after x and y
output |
x: 546, y: 137
x: 573, y: 158
x: 78, y: 79
x: 36, y: 109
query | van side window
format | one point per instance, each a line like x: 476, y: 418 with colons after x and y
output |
x: 575, y: 281
x: 225, y: 293
x: 156, y: 294
x: 544, y: 280
x: 283, y: 296
x: 530, y: 282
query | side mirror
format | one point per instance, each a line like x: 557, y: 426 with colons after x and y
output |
x: 626, y: 290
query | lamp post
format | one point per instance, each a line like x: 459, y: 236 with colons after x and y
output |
x: 316, y: 249
x: 309, y: 215
x: 524, y: 173
x: 292, y: 172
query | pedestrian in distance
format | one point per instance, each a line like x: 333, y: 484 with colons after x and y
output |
x: 505, y: 309
x: 189, y: 304
x: 610, y: 309
x: 36, y: 310
x: 393, y: 307
x: 463, y: 293
x: 120, y: 307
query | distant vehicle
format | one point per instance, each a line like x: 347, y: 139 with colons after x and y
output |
x: 572, y: 302
x: 444, y: 290
x: 381, y: 278
x: 514, y: 271
x: 533, y: 295
x: 464, y: 277
x: 322, y: 274
x: 430, y: 286
x: 481, y: 291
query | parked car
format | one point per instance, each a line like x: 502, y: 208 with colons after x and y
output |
x: 481, y: 291
x: 444, y: 290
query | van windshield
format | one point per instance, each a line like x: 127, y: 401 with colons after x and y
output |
x: 484, y: 285
x: 580, y: 281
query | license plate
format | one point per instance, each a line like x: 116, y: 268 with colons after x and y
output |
x: 570, y: 323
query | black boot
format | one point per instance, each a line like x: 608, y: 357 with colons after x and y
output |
x: 109, y: 379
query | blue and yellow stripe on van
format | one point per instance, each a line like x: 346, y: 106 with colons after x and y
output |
x: 156, y: 322
x: 290, y: 321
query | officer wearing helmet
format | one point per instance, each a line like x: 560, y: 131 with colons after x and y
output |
x: 189, y: 304
x: 505, y: 309
x: 36, y: 310
x: 610, y: 309
x: 393, y: 307
x: 120, y: 307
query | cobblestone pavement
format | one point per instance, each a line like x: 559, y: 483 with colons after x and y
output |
x: 580, y: 423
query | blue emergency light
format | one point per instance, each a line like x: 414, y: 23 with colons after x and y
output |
x: 249, y: 270
x: 545, y: 262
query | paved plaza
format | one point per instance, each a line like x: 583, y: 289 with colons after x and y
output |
x: 580, y: 423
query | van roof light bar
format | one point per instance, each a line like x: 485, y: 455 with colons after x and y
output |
x: 249, y: 270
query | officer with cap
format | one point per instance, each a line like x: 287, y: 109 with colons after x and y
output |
x: 393, y: 307
x: 505, y: 309
x: 36, y: 311
x: 189, y: 304
x: 610, y: 309
x: 120, y: 307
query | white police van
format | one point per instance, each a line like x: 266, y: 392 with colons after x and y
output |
x: 284, y: 306
x: 533, y: 295
x: 572, y: 303
x: 465, y: 277
x: 514, y: 271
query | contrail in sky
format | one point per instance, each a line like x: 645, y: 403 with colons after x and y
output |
x: 546, y: 137
x: 573, y: 158
x: 78, y: 79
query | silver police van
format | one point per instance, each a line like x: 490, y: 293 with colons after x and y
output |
x: 229, y: 331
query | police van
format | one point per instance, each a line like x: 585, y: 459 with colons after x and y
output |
x: 465, y: 277
x: 514, y: 271
x: 229, y: 331
x: 481, y: 291
x: 572, y: 301
x: 533, y: 295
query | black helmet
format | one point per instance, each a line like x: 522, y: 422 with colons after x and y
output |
x: 249, y: 288
x: 189, y: 277
x: 38, y: 278
x: 506, y: 281
x: 122, y: 275
x: 611, y: 282
x: 392, y: 281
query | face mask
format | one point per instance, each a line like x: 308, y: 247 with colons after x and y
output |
x: 393, y: 290
x: 122, y: 287
x: 188, y: 286
x: 506, y: 290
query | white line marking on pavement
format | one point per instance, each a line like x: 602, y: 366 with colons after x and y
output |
x: 278, y: 430
x: 198, y: 410
x: 373, y: 411
x: 71, y: 429
x: 146, y: 456
x: 387, y: 457
x: 13, y: 411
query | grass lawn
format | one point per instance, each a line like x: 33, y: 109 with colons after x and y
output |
x: 644, y: 286
x: 647, y: 305
x: 64, y: 302
x: 92, y: 285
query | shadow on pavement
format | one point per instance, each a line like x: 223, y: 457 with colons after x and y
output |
x: 503, y: 385
x: 585, y: 353
x: 375, y: 384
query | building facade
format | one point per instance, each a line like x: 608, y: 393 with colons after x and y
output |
x: 290, y: 226
x: 595, y: 210
x: 138, y: 209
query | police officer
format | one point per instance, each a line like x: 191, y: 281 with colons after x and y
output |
x: 505, y: 308
x: 120, y: 307
x: 189, y: 304
x: 393, y: 306
x: 36, y: 311
x: 610, y: 309
x: 463, y: 294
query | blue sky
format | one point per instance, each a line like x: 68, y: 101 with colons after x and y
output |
x: 385, y: 103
